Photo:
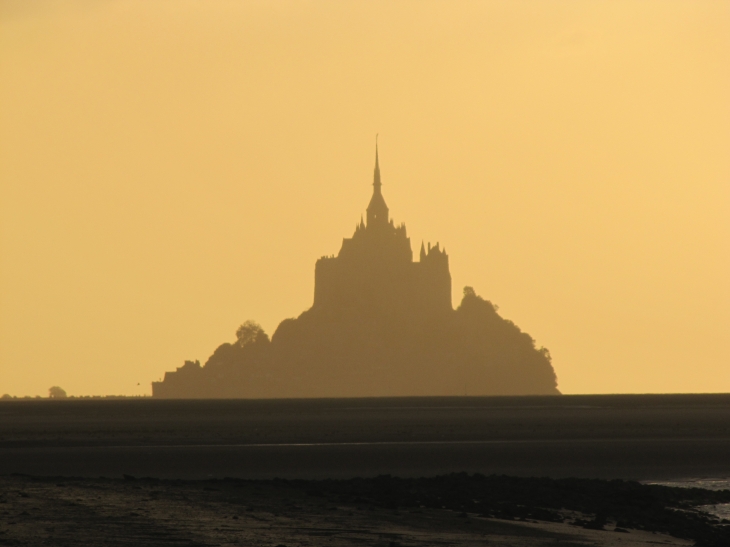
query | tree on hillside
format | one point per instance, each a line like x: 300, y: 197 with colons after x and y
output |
x: 250, y: 332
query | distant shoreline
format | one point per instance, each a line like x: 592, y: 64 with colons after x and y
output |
x: 428, y: 397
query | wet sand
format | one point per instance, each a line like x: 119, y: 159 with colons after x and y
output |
x: 106, y: 512
x: 657, y: 437
x: 628, y: 437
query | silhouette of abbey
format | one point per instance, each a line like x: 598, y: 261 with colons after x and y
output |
x: 381, y: 325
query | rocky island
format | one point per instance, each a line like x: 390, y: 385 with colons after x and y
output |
x: 381, y: 325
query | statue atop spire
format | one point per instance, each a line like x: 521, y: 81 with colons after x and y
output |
x: 376, y: 176
x: 377, y: 209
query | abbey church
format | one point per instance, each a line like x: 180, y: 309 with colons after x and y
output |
x: 375, y: 268
x: 381, y: 324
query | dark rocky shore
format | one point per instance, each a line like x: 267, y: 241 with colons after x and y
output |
x: 457, y: 509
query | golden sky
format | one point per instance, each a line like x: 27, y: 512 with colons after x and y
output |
x: 171, y: 168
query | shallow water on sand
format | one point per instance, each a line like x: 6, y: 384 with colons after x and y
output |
x: 721, y: 511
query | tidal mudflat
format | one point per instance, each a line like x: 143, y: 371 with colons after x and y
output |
x: 385, y: 511
x: 649, y: 437
x: 258, y: 472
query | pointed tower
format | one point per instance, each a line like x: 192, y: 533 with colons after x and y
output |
x: 377, y: 209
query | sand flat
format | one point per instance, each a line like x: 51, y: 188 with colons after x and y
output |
x: 644, y: 437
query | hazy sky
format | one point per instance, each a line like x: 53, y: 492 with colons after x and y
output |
x: 171, y: 168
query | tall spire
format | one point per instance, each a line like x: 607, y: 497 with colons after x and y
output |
x: 376, y: 177
x: 377, y: 209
